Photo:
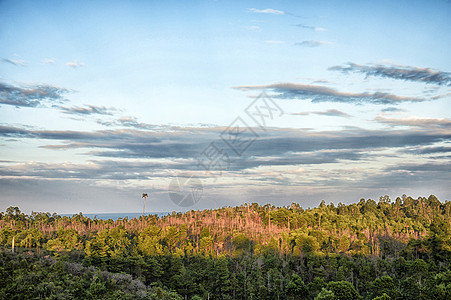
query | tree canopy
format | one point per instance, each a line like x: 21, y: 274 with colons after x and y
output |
x: 367, y: 250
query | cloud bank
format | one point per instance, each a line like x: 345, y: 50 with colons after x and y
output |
x: 296, y: 161
x: 269, y: 148
x: 88, y: 110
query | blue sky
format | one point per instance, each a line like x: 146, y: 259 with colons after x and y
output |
x: 101, y: 101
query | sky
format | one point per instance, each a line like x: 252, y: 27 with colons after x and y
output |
x: 204, y: 104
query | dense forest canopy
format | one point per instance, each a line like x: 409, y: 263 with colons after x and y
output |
x: 367, y: 250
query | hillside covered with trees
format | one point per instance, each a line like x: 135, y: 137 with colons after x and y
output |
x: 367, y: 250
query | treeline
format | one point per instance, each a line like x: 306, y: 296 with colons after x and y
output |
x: 364, y: 228
x: 388, y: 249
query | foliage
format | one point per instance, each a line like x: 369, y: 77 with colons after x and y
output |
x: 365, y: 250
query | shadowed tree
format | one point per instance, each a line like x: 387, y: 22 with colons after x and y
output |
x: 343, y: 290
x: 296, y: 288
x: 384, y: 286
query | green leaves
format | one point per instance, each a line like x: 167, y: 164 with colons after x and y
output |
x: 108, y: 243
x: 328, y: 252
x: 343, y: 290
x: 66, y: 240
x: 149, y: 241
x: 296, y: 288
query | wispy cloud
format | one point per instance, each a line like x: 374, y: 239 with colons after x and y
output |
x: 253, y: 28
x: 329, y: 112
x: 16, y: 62
x: 408, y: 73
x: 30, y: 95
x: 313, y: 44
x: 49, y: 61
x: 90, y: 170
x: 88, y: 110
x: 419, y: 167
x: 428, y: 150
x: 132, y: 122
x: 129, y: 121
x: 318, y: 93
x: 123, y: 170
x: 311, y: 27
x: 267, y: 11
x: 75, y: 64
x: 392, y: 109
x: 415, y: 122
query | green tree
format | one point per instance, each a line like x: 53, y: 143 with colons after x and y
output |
x: 172, y: 237
x: 410, y: 289
x: 306, y: 243
x: 108, y: 243
x: 439, y: 286
x: 32, y: 237
x: 206, y: 245
x: 241, y: 243
x: 222, y: 283
x: 325, y: 294
x: 6, y: 236
x: 344, y: 243
x: 66, y: 240
x: 149, y: 241
x: 384, y: 285
x: 343, y: 290
x: 296, y: 288
x: 384, y: 296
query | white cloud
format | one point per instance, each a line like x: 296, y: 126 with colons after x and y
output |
x: 311, y: 27
x: 75, y: 64
x: 267, y: 11
x: 313, y: 43
x: 424, y: 123
x: 16, y: 62
x: 49, y: 61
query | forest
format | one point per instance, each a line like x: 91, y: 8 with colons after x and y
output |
x: 385, y: 249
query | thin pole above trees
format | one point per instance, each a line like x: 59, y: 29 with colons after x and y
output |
x: 145, y: 197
